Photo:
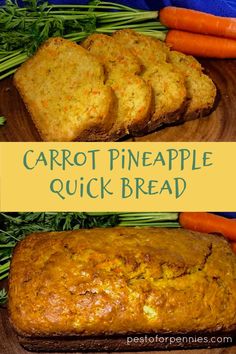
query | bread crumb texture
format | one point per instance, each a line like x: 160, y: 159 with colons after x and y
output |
x: 134, y: 95
x: 120, y: 281
x: 63, y: 88
x: 111, y: 86
x: 185, y: 79
x: 167, y: 83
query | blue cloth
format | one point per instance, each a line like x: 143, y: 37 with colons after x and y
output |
x: 227, y: 215
x: 217, y: 7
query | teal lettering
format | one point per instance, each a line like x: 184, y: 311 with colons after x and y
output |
x: 89, y: 188
x: 166, y: 187
x: 80, y: 155
x: 152, y: 185
x: 42, y: 159
x: 173, y: 154
x: 56, y: 186
x: 159, y: 158
x: 194, y: 165
x: 65, y: 158
x: 180, y: 186
x: 104, y: 187
x: 185, y: 154
x: 133, y: 159
x: 146, y: 158
x: 93, y: 153
x: 69, y: 190
x: 139, y: 184
x: 126, y: 190
x: 206, y: 157
x: 53, y: 158
x: 113, y: 155
x: 25, y: 160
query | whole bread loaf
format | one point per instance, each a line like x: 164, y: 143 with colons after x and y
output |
x: 122, y: 281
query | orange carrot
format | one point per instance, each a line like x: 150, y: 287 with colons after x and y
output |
x: 201, y: 45
x: 209, y: 223
x: 233, y: 245
x: 198, y: 22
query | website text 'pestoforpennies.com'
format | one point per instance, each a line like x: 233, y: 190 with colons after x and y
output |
x: 147, y: 339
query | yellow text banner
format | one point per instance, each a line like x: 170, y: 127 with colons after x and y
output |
x: 118, y: 176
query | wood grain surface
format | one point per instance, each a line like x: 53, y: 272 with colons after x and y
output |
x: 219, y: 126
x: 9, y: 343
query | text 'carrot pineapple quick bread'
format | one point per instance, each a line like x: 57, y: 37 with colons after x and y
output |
x: 63, y: 88
x: 121, y: 281
x: 168, y: 84
x: 134, y: 95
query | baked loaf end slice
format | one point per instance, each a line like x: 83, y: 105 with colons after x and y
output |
x: 122, y: 281
x: 62, y: 86
x: 167, y: 83
x: 134, y: 95
x: 201, y: 90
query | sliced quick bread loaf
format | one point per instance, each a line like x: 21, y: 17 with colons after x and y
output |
x: 168, y: 84
x: 134, y: 95
x: 63, y: 88
x: 200, y: 88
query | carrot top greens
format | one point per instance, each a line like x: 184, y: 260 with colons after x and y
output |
x: 22, y: 30
x: 2, y: 120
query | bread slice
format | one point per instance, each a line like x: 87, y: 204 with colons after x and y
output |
x: 168, y: 84
x: 201, y: 90
x: 148, y: 50
x: 134, y: 105
x: 134, y: 95
x: 170, y: 94
x: 63, y: 88
x: 111, y: 53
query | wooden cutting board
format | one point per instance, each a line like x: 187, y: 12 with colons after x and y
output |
x: 219, y: 126
x: 10, y: 345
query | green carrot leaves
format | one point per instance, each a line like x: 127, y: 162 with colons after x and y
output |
x: 23, y: 29
x: 3, y: 296
x: 2, y: 120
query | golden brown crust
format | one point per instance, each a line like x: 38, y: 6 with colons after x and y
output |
x: 120, y: 281
x: 171, y: 118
